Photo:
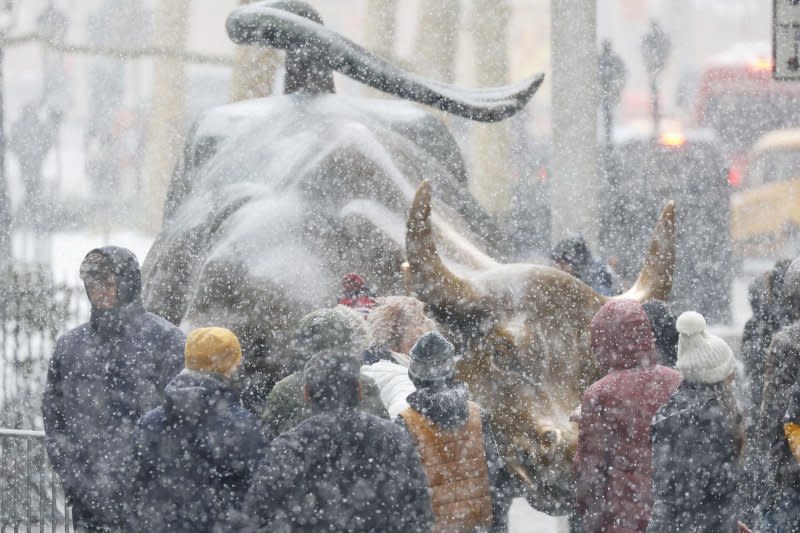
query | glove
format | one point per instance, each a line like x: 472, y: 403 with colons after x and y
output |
x: 792, y: 432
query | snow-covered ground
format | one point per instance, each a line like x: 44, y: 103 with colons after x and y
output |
x: 523, y: 519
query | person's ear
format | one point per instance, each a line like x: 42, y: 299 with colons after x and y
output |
x: 306, y: 394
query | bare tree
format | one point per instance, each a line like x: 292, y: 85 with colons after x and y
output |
x: 436, y: 43
x: 254, y: 70
x: 167, y: 115
x: 381, y: 29
x: 490, y: 143
x: 380, y: 34
x: 573, y: 187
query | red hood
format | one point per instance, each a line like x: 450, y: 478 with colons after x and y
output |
x: 622, y: 336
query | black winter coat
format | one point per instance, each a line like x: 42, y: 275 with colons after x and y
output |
x: 781, y: 472
x: 103, y: 376
x: 768, y: 317
x: 696, y: 466
x: 196, y: 456
x: 342, y: 470
x: 756, y: 337
x: 770, y: 313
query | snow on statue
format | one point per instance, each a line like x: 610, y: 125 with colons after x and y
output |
x: 277, y: 198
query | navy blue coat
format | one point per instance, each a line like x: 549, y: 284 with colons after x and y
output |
x: 195, y: 457
x: 103, y: 376
x: 340, y: 470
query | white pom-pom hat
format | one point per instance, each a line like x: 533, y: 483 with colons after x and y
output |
x: 702, y: 357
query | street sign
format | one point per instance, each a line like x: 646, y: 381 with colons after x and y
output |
x: 656, y: 45
x: 786, y: 39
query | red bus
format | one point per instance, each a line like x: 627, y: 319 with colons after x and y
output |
x: 738, y: 98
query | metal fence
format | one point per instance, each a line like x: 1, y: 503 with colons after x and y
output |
x: 33, y: 312
x: 30, y: 495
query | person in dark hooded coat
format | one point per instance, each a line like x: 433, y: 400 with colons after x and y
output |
x: 572, y: 255
x: 342, y: 469
x: 780, y: 503
x: 196, y: 454
x: 769, y: 316
x: 788, y: 516
x: 613, y: 461
x: 698, y: 439
x: 455, y: 442
x: 102, y: 377
x: 765, y: 294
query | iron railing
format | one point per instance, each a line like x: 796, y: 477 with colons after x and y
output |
x: 30, y: 494
x: 34, y: 310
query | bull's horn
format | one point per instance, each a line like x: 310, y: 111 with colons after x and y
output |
x: 318, y: 50
x: 430, y: 278
x: 655, y: 279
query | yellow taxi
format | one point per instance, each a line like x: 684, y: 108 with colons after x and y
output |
x: 765, y: 209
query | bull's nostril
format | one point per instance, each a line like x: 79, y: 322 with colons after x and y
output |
x: 521, y: 456
x: 551, y: 437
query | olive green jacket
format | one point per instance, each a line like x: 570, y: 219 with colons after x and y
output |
x: 285, y: 406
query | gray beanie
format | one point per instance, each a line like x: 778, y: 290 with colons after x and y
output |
x: 328, y: 328
x: 432, y: 358
x: 702, y: 357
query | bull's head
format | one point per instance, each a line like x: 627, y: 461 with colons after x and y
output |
x: 523, y: 330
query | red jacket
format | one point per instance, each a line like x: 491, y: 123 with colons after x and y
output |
x: 613, y: 463
x: 357, y: 295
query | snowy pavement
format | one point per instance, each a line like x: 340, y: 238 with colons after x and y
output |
x: 523, y: 519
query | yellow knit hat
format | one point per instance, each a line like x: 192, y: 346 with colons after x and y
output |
x: 214, y: 350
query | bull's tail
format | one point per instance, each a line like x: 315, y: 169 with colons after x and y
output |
x: 655, y: 279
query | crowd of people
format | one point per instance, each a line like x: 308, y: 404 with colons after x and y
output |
x: 373, y: 432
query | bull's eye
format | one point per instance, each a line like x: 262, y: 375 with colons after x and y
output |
x: 524, y: 458
x: 503, y: 352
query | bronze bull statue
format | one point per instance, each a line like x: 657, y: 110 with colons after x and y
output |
x: 276, y: 198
